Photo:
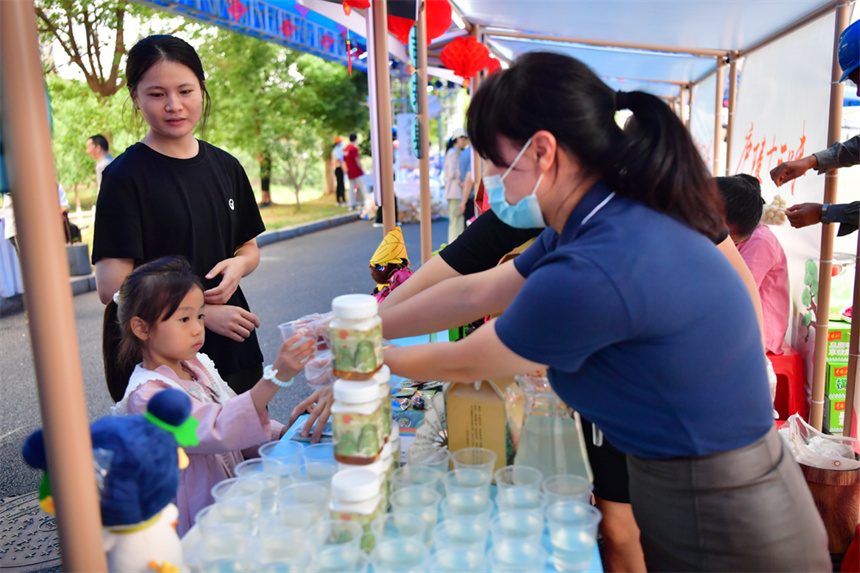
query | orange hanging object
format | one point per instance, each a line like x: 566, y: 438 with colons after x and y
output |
x: 348, y: 5
x: 438, y: 22
x: 465, y: 56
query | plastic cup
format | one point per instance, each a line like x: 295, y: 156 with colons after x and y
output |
x: 280, y: 553
x: 312, y: 497
x: 340, y: 559
x: 223, y: 552
x: 475, y: 458
x: 481, y: 511
x: 517, y: 526
x: 509, y: 556
x: 461, y: 532
x: 295, y: 521
x: 421, y: 500
x: 400, y: 556
x: 573, y: 534
x: 227, y: 517
x: 256, y: 469
x: 282, y: 457
x: 290, y: 329
x: 320, y: 464
x: 566, y: 487
x: 421, y: 476
x: 398, y: 525
x: 241, y: 489
x: 336, y: 532
x: 451, y: 559
x: 437, y: 459
x: 518, y: 476
x: 520, y: 498
x: 472, y: 484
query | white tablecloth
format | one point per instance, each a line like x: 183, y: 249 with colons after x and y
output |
x: 10, y: 271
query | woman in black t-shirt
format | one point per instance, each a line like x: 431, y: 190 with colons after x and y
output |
x: 172, y: 194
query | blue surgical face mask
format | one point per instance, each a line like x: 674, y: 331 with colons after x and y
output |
x: 526, y: 214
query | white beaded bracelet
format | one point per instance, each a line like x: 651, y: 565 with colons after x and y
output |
x: 269, y: 373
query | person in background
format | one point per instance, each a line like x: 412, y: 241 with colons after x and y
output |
x: 172, y: 194
x: 467, y: 204
x: 355, y: 174
x: 761, y: 251
x: 98, y: 149
x: 453, y: 183
x: 337, y: 164
x: 840, y: 154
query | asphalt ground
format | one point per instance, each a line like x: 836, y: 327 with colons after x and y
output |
x: 295, y: 277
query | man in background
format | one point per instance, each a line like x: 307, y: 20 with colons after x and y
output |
x: 97, y: 148
x: 355, y: 173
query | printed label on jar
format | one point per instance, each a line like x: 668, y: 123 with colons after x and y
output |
x: 386, y: 417
x: 367, y: 540
x: 358, y: 438
x: 356, y: 354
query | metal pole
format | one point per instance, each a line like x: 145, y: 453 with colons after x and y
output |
x: 424, y: 139
x: 682, y: 111
x: 718, y: 113
x: 733, y: 99
x: 690, y: 108
x: 383, y: 157
x: 48, y: 297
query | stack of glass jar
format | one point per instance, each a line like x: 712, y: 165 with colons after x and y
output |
x: 364, y: 440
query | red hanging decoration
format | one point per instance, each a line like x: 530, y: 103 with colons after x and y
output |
x: 465, y: 56
x: 493, y: 66
x: 348, y: 5
x: 287, y: 28
x: 438, y: 22
x: 348, y: 56
x: 237, y: 10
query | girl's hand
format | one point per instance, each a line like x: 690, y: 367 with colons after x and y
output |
x: 231, y: 321
x: 232, y: 270
x: 290, y: 361
x: 318, y: 405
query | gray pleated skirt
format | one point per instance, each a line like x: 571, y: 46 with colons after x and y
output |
x: 742, y: 510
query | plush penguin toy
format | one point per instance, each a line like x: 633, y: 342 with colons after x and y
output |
x: 137, y: 462
x: 389, y: 266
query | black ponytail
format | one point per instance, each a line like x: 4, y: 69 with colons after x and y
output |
x: 118, y: 364
x: 661, y: 167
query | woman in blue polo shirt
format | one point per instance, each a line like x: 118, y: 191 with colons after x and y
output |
x: 644, y: 327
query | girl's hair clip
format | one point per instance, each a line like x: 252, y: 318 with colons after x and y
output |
x: 116, y: 298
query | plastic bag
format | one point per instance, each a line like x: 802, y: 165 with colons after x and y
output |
x: 318, y: 369
x: 315, y: 326
x: 818, y: 450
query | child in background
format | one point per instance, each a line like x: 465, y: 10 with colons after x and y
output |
x: 160, y: 328
x: 761, y: 251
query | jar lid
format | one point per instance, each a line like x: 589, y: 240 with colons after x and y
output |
x: 350, y: 392
x: 386, y: 450
x: 395, y: 431
x: 383, y: 375
x: 354, y: 485
x: 354, y: 306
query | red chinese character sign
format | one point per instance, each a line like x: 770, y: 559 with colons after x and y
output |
x: 287, y: 28
x: 465, y: 56
x: 237, y: 10
x: 438, y: 22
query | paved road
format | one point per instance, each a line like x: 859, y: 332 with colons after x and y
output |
x: 295, y: 277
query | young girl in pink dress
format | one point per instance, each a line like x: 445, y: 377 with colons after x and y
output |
x: 160, y: 328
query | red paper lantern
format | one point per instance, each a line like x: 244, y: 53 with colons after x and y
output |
x: 465, y: 56
x: 438, y: 22
x: 348, y: 5
x: 493, y: 66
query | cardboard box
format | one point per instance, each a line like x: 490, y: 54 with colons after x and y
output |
x: 834, y: 414
x: 477, y: 418
x: 836, y: 379
x: 838, y: 337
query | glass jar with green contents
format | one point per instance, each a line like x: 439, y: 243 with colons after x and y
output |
x: 357, y: 427
x: 381, y: 378
x: 356, y: 337
x: 394, y: 440
x: 355, y: 497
